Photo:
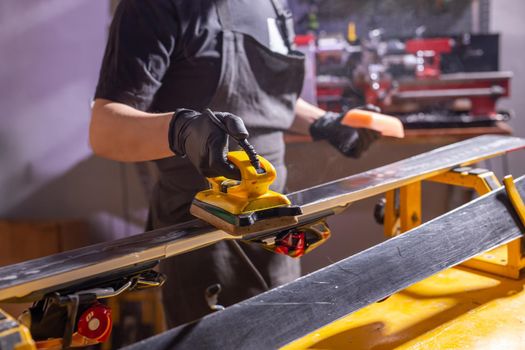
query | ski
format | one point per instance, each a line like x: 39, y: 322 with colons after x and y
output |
x: 109, y: 262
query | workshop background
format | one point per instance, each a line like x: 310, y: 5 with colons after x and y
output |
x: 54, y: 191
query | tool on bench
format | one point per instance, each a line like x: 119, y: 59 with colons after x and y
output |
x: 245, y: 205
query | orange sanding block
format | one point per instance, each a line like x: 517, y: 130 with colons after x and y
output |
x: 385, y: 124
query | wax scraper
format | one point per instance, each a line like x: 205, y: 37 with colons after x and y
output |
x: 371, y: 119
x: 247, y: 205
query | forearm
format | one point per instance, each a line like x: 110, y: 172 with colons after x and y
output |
x: 123, y: 133
x: 305, y: 115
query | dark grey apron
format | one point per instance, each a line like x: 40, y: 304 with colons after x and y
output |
x: 260, y: 86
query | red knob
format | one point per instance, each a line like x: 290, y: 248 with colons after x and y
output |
x: 95, y: 323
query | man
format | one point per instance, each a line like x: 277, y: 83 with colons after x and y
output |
x: 167, y: 60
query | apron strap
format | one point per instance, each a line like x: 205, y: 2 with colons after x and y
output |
x: 285, y: 23
x: 225, y: 17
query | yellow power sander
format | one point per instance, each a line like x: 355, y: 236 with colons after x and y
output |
x: 248, y: 205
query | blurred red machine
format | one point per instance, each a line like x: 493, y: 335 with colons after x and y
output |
x: 427, y: 82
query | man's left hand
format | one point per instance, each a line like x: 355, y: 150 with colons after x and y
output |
x: 352, y: 142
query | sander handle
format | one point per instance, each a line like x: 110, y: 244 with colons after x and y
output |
x: 242, y: 141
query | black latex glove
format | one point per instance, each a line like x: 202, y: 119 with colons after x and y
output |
x: 351, y: 142
x: 196, y: 136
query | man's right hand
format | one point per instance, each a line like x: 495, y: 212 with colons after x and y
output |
x: 196, y: 136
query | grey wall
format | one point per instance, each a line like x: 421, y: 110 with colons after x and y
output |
x: 50, y: 52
